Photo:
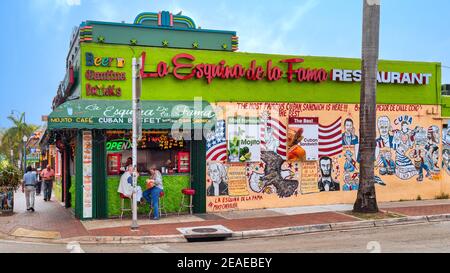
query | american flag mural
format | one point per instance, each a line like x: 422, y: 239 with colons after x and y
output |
x: 216, y: 143
x: 279, y: 130
x: 330, y: 139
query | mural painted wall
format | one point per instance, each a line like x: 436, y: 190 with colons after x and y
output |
x: 308, y: 155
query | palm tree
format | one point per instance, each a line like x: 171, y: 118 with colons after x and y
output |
x: 366, y: 201
x: 12, y: 137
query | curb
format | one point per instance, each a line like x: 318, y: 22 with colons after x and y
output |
x: 438, y: 218
x: 249, y: 234
x: 280, y: 231
x: 145, y: 240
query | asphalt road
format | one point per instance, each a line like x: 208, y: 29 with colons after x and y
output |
x: 422, y: 238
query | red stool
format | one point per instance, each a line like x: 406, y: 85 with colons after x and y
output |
x: 122, y: 205
x: 162, y: 208
x: 190, y: 193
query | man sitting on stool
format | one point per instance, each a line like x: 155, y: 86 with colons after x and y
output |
x: 154, y: 189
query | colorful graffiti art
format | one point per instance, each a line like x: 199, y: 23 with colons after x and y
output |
x: 446, y: 150
x: 285, y: 186
x: 308, y: 154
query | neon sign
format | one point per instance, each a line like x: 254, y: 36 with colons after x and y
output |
x: 118, y: 145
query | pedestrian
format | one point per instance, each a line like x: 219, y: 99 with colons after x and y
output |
x: 29, y: 188
x: 126, y: 185
x: 48, y: 175
x: 39, y: 182
x: 154, y: 189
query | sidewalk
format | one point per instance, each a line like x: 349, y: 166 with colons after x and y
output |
x: 54, y: 223
x: 50, y: 217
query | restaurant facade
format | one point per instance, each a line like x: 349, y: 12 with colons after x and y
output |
x: 245, y: 130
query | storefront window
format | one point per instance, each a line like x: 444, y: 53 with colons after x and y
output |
x: 157, y: 148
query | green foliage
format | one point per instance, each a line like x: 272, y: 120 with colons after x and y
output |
x: 9, y: 176
x: 172, y: 190
x: 11, y: 139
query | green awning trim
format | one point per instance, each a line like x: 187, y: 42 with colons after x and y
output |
x: 118, y: 115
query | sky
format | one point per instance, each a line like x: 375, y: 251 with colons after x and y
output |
x: 36, y: 35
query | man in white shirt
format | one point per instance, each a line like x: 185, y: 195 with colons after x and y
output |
x: 126, y: 185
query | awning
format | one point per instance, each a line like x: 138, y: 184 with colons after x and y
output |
x: 112, y: 115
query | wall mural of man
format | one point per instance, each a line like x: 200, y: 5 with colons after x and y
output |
x: 446, y: 150
x: 349, y: 137
x: 386, y: 140
x: 217, y: 173
x: 432, y: 149
x: 326, y: 182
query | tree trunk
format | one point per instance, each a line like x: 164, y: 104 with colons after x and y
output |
x: 366, y: 201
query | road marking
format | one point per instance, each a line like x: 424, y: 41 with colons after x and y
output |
x: 74, y: 247
x: 374, y: 247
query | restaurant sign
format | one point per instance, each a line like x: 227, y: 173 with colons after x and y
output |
x: 183, y: 68
x: 104, y: 83
x: 89, y: 114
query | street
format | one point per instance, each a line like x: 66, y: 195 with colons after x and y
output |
x: 425, y: 238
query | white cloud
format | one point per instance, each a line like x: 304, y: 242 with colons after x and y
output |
x: 73, y: 2
x: 54, y: 10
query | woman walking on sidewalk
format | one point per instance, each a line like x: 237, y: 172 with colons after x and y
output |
x: 29, y: 188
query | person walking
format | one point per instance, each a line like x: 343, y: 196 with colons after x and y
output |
x: 29, y: 188
x: 154, y: 189
x: 38, y: 182
x: 48, y: 175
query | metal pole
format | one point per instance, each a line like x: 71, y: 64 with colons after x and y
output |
x: 24, y: 156
x: 24, y: 147
x: 134, y: 224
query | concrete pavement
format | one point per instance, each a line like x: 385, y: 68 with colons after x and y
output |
x: 51, y: 218
x: 421, y: 238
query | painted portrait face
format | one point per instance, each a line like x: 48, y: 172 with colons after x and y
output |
x: 325, y: 167
x: 383, y: 126
x: 347, y: 178
x: 348, y: 126
x: 404, y: 126
x: 437, y: 137
x: 214, y: 174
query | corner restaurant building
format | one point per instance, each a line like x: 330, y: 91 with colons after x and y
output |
x: 284, y: 126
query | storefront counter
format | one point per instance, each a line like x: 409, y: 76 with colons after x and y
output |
x: 173, y: 184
